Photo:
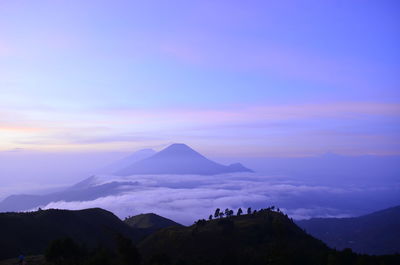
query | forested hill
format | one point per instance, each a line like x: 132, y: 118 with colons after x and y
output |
x: 265, y: 237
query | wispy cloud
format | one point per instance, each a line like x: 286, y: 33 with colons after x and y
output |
x: 327, y: 122
x: 20, y: 129
x: 271, y: 113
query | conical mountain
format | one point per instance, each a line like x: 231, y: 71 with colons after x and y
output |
x: 179, y: 159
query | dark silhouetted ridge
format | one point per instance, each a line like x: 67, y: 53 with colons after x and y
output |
x: 31, y: 232
x: 266, y: 237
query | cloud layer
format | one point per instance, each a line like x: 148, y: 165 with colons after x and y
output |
x: 189, y: 197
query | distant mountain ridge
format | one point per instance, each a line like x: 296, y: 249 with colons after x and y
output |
x: 377, y: 233
x: 179, y: 159
x: 83, y: 191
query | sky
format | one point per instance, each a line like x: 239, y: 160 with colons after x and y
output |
x: 229, y: 78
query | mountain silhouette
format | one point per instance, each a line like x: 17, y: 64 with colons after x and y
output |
x: 175, y: 159
x: 377, y: 233
x: 179, y: 159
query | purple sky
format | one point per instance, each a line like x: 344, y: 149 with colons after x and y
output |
x: 230, y: 78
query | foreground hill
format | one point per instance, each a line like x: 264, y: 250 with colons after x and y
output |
x: 377, y: 233
x: 266, y: 237
x: 31, y: 232
x: 179, y: 159
x: 149, y: 222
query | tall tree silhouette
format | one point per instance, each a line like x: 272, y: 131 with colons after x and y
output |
x: 227, y: 212
x: 230, y: 212
x: 216, y: 214
x: 249, y: 210
x: 239, y: 212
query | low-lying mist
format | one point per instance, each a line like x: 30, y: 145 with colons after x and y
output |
x: 328, y: 185
x: 186, y: 198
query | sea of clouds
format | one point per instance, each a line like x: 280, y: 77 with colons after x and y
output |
x: 186, y: 198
